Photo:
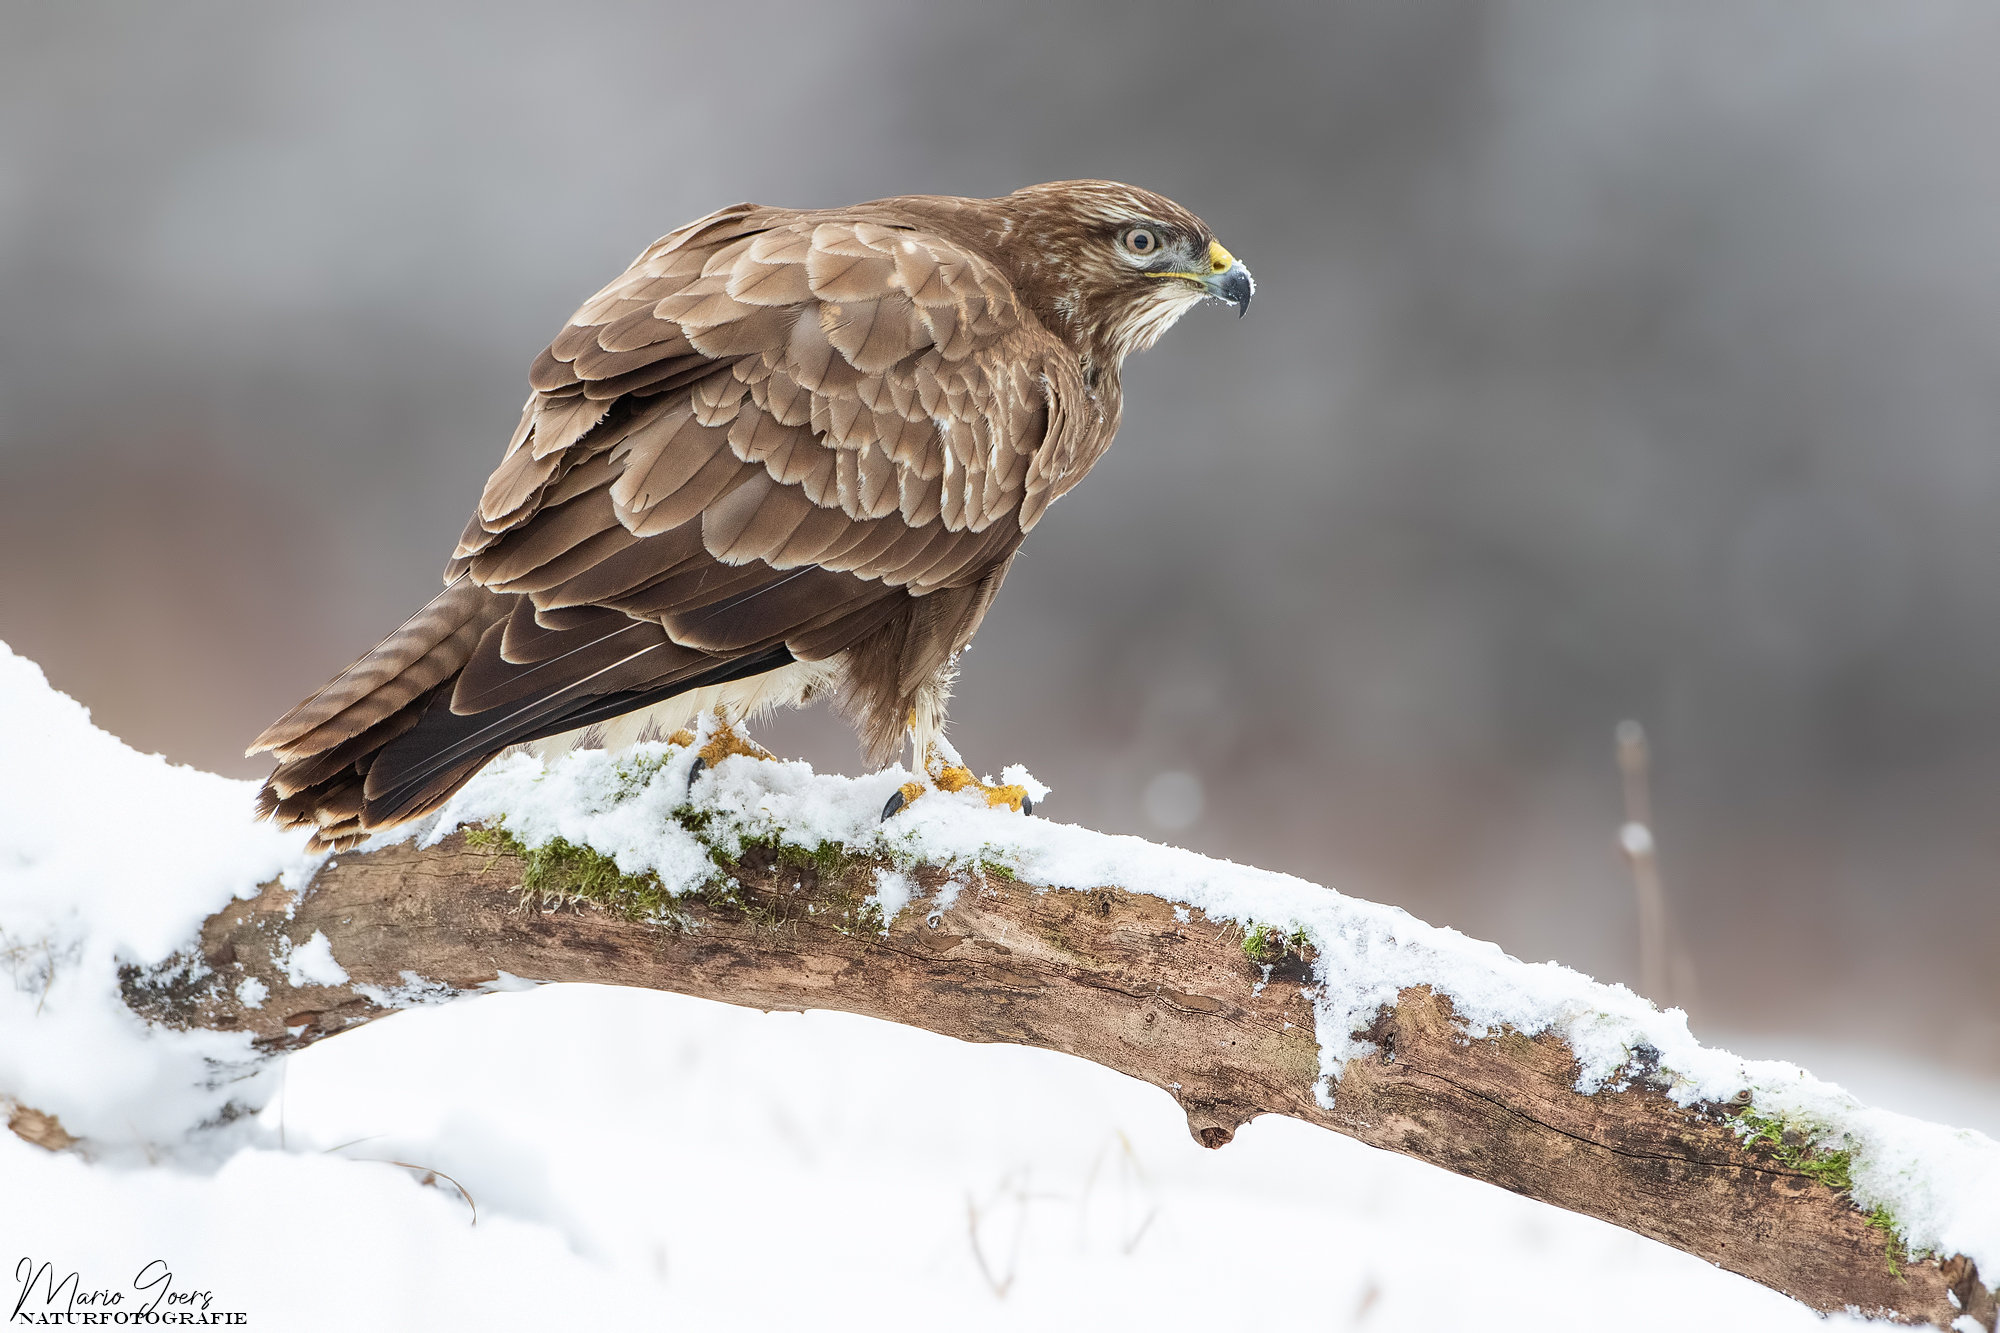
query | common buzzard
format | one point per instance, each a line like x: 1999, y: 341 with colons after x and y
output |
x: 787, y: 454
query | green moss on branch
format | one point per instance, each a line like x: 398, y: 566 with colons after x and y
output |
x: 559, y: 873
x: 1792, y: 1146
x: 825, y: 881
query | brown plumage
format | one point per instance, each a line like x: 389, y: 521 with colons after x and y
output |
x: 785, y: 453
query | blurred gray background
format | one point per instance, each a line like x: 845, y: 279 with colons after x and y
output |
x: 1607, y: 361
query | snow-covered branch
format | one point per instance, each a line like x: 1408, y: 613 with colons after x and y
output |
x: 1220, y: 1018
x: 1237, y: 991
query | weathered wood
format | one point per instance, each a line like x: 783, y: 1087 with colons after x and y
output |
x: 1110, y: 976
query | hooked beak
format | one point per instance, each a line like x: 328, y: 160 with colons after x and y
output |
x: 1228, y: 281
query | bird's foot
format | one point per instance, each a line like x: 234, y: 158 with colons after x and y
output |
x: 957, y: 777
x: 945, y: 775
x: 718, y: 741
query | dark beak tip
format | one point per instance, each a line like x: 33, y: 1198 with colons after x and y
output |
x: 1237, y: 289
x: 1233, y: 286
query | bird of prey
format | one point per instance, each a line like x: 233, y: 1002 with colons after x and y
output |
x: 785, y: 455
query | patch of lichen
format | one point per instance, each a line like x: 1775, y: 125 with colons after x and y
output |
x: 1792, y: 1146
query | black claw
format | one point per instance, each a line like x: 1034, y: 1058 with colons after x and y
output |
x: 694, y: 770
x: 1027, y: 805
x: 894, y: 804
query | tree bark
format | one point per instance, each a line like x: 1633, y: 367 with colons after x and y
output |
x: 1110, y: 976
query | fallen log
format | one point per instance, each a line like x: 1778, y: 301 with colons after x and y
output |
x: 1220, y: 1017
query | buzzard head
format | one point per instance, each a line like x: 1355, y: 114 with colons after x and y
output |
x: 1110, y: 267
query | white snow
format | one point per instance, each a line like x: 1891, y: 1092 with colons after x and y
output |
x: 893, y: 890
x: 108, y: 856
x: 1017, y: 775
x: 641, y: 1160
x: 311, y: 963
x: 648, y: 1157
x: 947, y: 894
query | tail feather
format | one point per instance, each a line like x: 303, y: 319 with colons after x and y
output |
x: 354, y: 760
x: 442, y: 663
x: 428, y: 647
x: 297, y: 775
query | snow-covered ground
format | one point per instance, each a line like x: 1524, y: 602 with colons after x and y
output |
x: 651, y: 1161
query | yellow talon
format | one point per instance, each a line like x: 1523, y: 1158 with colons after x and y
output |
x: 1013, y: 796
x: 723, y: 742
x: 957, y: 777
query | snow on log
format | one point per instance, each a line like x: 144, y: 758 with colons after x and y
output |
x: 1237, y: 991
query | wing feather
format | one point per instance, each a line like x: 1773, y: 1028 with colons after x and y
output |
x: 816, y: 643
x: 653, y: 378
x: 761, y: 282
x: 835, y: 409
x: 625, y: 571
x: 823, y: 530
x: 494, y: 677
x: 721, y: 474
x: 871, y: 538
x: 639, y: 329
x: 752, y: 332
x: 554, y: 531
x: 662, y: 457
x: 765, y: 611
x: 755, y: 521
x: 512, y: 489
x: 701, y: 582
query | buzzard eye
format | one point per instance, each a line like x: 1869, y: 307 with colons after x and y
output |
x: 1141, y: 241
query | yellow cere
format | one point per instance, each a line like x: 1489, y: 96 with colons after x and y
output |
x: 1219, y: 261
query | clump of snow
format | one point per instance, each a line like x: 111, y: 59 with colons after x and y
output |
x: 252, y: 992
x: 893, y: 891
x: 1017, y: 775
x: 311, y: 963
x: 414, y: 991
x: 110, y: 857
x: 942, y: 901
